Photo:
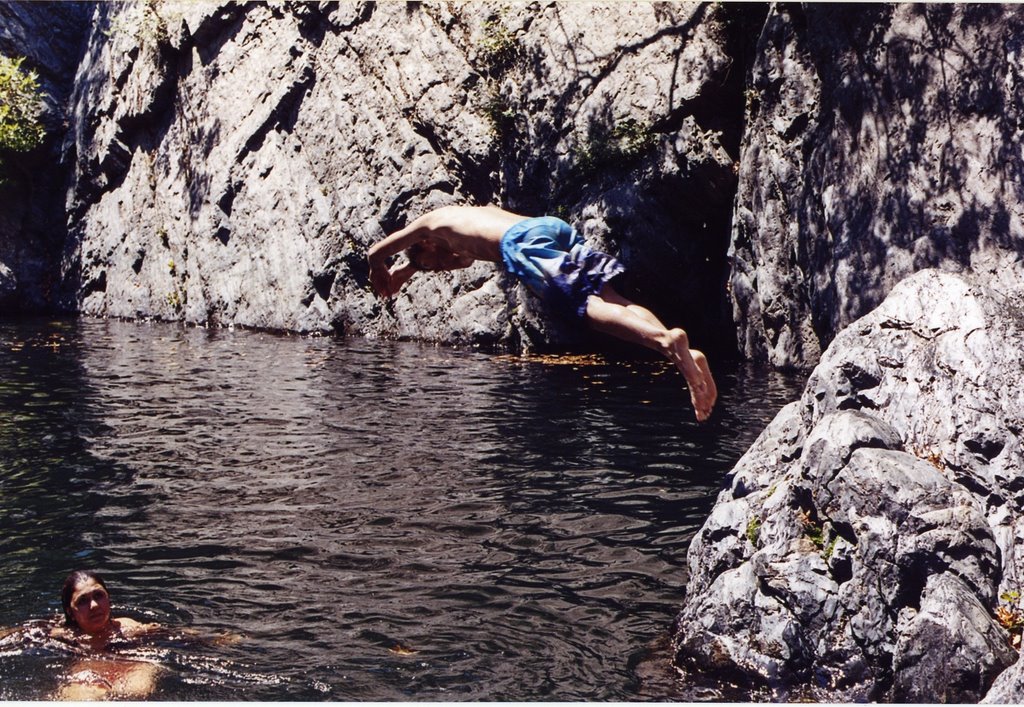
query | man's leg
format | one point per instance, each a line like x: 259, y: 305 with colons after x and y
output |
x: 611, y: 313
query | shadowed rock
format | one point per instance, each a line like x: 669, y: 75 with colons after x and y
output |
x: 879, y: 142
x: 50, y: 37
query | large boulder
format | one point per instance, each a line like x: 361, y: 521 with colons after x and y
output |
x: 865, y: 540
x: 235, y: 160
x: 881, y: 140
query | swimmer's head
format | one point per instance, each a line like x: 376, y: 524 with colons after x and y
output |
x: 85, y: 601
x: 433, y: 255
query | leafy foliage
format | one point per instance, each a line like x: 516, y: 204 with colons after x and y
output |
x: 141, y: 22
x: 20, y: 107
x: 500, y: 114
x: 1011, y: 617
x: 754, y: 530
x: 497, y: 46
x: 627, y: 142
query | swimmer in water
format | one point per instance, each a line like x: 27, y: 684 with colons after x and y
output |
x: 114, y: 658
x: 89, y: 627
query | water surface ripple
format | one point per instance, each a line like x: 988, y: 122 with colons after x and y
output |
x: 380, y: 521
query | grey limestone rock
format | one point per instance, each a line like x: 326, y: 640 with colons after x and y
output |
x: 866, y: 537
x: 1008, y: 687
x: 230, y: 162
x: 235, y: 161
x: 949, y: 650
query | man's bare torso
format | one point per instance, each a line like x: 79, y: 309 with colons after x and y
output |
x: 475, y: 231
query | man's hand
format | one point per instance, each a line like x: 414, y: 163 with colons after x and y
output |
x: 380, y: 280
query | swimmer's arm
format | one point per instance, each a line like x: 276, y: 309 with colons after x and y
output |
x: 398, y: 241
x: 384, y: 282
x: 387, y: 283
x: 191, y: 635
x: 132, y: 628
x: 5, y: 632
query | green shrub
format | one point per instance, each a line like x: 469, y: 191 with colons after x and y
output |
x: 500, y: 114
x: 20, y: 107
x: 632, y: 138
x: 754, y: 530
x: 497, y: 46
x: 141, y: 21
x: 1011, y: 617
x: 625, y: 144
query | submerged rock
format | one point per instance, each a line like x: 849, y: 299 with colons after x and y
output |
x: 862, y: 546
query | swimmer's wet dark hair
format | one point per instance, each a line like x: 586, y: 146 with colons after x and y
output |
x: 66, y: 591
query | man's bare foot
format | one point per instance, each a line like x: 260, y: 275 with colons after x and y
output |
x: 694, y: 366
x: 708, y: 392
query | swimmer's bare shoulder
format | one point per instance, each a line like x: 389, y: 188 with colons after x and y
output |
x: 61, y: 633
x: 130, y: 628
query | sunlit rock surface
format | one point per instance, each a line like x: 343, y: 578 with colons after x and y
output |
x: 236, y: 160
x: 866, y: 537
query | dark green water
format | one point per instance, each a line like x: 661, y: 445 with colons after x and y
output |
x: 521, y: 526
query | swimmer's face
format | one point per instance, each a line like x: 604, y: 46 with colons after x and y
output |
x: 90, y: 606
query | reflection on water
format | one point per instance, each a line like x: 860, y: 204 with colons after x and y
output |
x: 380, y: 520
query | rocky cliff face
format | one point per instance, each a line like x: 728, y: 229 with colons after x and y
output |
x: 50, y: 35
x: 867, y: 539
x: 236, y: 160
x: 232, y: 161
x: 881, y: 140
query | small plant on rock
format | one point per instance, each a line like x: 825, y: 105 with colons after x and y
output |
x: 1011, y: 617
x: 174, y: 300
x: 812, y: 529
x: 815, y: 531
x: 500, y: 114
x: 628, y: 141
x: 142, y: 22
x: 497, y: 46
x: 633, y: 138
x: 754, y: 530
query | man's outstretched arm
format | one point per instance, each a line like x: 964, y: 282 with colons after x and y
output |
x: 378, y: 254
x: 398, y: 241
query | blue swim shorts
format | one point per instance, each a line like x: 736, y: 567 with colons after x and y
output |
x: 552, y: 260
